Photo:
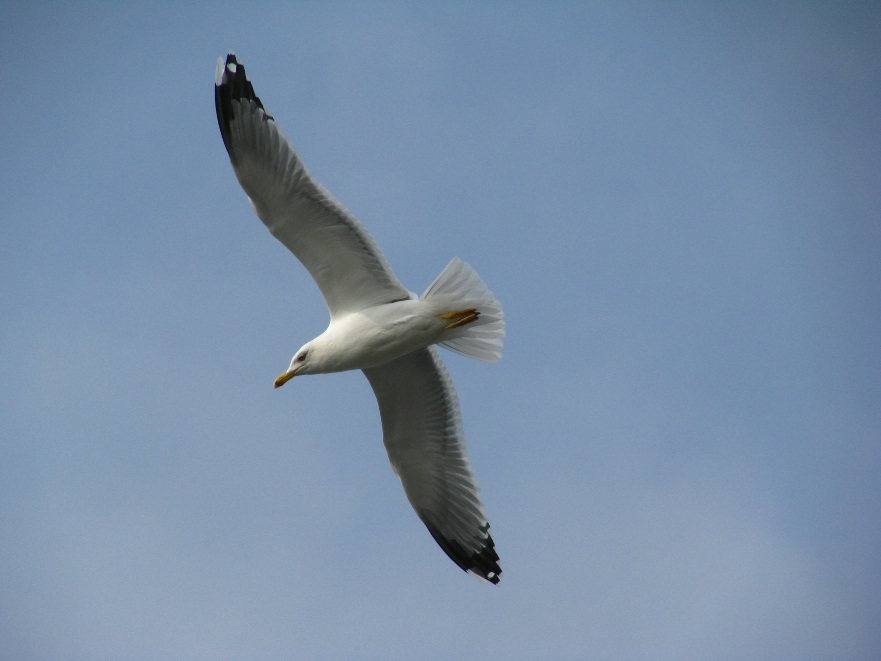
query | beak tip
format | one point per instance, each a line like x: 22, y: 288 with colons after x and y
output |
x: 284, y: 378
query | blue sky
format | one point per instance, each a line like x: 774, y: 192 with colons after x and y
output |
x: 678, y: 205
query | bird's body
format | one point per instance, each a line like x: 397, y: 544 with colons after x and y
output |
x: 377, y: 335
x: 376, y: 324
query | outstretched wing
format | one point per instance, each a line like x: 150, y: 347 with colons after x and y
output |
x: 336, y: 249
x: 422, y: 431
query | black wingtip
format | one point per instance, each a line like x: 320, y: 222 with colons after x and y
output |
x: 483, y: 564
x: 231, y: 84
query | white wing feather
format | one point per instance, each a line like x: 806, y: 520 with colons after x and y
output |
x: 335, y: 248
x: 422, y: 431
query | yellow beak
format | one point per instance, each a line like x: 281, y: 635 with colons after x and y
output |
x: 284, y: 378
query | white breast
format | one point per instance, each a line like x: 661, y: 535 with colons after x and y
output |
x: 378, y: 335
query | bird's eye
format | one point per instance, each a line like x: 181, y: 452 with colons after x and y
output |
x: 301, y: 357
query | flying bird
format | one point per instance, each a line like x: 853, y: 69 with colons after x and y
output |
x: 376, y: 324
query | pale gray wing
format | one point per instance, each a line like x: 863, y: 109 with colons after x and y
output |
x: 422, y: 431
x: 339, y: 253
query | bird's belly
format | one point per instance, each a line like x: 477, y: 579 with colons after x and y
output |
x: 379, y: 335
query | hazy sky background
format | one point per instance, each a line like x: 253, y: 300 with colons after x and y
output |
x: 679, y: 205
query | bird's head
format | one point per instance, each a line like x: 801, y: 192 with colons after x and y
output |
x: 300, y: 364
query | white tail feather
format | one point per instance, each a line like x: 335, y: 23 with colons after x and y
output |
x: 483, y: 337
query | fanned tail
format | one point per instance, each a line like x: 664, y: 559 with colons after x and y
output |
x: 477, y: 327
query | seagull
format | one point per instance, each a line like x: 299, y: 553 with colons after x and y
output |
x: 376, y: 324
